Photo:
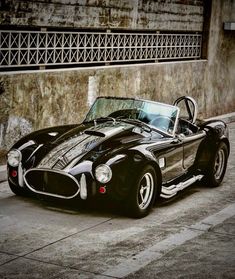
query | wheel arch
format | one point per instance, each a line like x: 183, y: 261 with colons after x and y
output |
x: 156, y: 167
x: 206, y: 151
x: 126, y: 169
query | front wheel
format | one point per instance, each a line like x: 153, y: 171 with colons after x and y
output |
x: 143, y: 193
x: 217, y: 166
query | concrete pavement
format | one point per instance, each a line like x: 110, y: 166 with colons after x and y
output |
x: 190, y: 236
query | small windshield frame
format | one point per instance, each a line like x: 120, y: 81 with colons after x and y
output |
x: 157, y: 115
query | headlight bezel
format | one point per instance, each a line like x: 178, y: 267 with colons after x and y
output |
x: 103, y: 173
x: 14, y: 155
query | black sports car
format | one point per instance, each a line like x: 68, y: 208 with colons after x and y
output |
x: 127, y: 149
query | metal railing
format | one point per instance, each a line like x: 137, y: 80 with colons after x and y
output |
x: 37, y: 48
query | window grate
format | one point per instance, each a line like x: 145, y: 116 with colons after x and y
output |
x: 36, y: 48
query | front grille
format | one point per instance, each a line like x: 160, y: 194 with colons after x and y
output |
x: 52, y: 183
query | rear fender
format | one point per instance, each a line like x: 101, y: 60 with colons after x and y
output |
x: 217, y: 131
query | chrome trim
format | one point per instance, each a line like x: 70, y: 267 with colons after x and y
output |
x: 193, y: 102
x: 162, y: 162
x: 20, y: 175
x: 115, y: 159
x: 83, y: 192
x: 176, y: 122
x: 27, y: 144
x: 193, y: 137
x: 40, y: 145
x: 171, y: 191
x: 50, y: 194
x: 53, y: 134
x: 196, y: 109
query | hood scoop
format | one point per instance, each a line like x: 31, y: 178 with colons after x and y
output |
x: 94, y: 133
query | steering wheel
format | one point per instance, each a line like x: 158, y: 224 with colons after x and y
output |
x: 127, y: 113
x: 162, y: 122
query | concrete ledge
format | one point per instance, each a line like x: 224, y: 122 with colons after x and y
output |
x: 227, y: 118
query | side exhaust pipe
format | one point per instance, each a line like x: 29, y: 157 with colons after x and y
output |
x: 168, y: 192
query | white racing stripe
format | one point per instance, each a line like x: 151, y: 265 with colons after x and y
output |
x: 159, y: 249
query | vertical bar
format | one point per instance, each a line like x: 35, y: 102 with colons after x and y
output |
x: 37, y: 48
x: 62, y: 49
x: 54, y: 48
x: 46, y: 49
x: 70, y: 46
x: 19, y: 50
x: 28, y: 48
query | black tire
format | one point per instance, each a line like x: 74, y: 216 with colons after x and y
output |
x: 143, y: 193
x: 217, y: 167
x: 17, y: 190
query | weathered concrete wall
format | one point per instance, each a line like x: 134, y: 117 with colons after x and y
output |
x: 125, y: 14
x: 220, y: 71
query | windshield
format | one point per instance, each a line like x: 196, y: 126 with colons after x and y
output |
x: 159, y: 115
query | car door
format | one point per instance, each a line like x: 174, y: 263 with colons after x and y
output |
x: 169, y: 155
x: 190, y: 135
x: 173, y: 161
x: 190, y: 147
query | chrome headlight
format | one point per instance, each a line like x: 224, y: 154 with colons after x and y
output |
x: 14, y: 158
x: 103, y: 173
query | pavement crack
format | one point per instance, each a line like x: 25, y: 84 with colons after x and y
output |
x: 68, y: 236
x: 11, y: 260
x: 55, y: 264
x: 51, y: 243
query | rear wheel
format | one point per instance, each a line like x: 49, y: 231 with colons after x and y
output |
x: 217, y: 166
x: 143, y: 193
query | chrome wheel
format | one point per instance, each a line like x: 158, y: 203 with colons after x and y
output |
x: 146, y: 190
x: 217, y: 168
x: 143, y: 192
x: 219, y: 164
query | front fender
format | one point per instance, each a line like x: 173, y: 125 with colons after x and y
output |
x: 43, y: 136
x: 125, y: 170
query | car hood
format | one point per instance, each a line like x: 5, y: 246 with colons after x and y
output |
x: 72, y: 146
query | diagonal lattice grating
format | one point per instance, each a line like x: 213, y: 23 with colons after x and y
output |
x: 28, y: 48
